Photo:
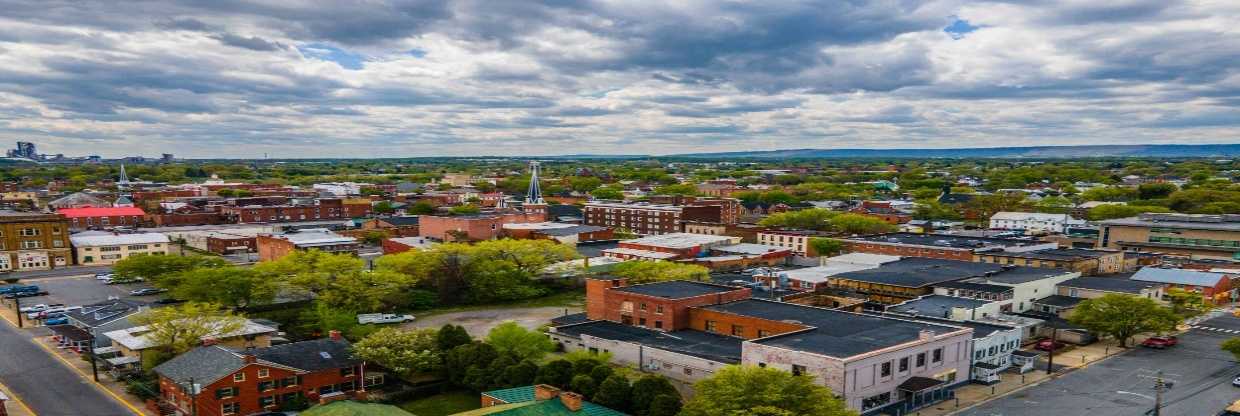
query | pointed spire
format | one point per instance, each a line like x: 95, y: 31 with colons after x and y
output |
x: 534, y: 194
x: 123, y: 182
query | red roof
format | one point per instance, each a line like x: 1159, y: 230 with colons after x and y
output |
x: 100, y: 212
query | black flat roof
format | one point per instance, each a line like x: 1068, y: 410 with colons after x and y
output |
x: 1054, y: 254
x: 980, y: 329
x: 676, y: 289
x: 920, y: 272
x: 699, y: 344
x: 935, y: 305
x: 834, y: 333
x: 1059, y: 301
x: 1013, y: 275
x: 944, y: 240
x: 978, y: 287
x: 574, y: 318
x: 1109, y: 284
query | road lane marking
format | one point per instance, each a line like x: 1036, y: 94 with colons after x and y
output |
x: 13, y: 395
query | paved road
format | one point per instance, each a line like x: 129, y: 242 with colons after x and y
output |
x: 1123, y: 385
x: 61, y: 272
x: 47, y: 385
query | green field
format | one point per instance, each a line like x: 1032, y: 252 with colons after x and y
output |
x: 443, y: 404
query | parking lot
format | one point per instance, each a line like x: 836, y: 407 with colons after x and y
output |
x: 81, y: 290
x: 1200, y: 376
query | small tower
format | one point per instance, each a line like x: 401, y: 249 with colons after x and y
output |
x: 123, y: 183
x: 534, y: 203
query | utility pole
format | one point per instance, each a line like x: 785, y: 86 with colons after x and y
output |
x: 193, y: 398
x: 1050, y: 355
x: 1158, y: 393
x: 17, y: 306
x: 94, y: 369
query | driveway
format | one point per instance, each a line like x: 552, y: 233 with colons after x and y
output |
x: 479, y: 323
x: 1124, y: 385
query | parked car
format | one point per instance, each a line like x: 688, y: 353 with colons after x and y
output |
x: 1048, y: 345
x: 1160, y: 342
x: 53, y: 312
x: 382, y: 318
x: 146, y: 291
x: 13, y: 289
x: 1236, y: 381
x: 25, y: 294
x: 56, y: 321
x: 104, y: 276
x: 40, y: 307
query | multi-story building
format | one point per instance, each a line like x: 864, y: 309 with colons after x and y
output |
x: 102, y: 247
x: 93, y: 218
x: 249, y: 381
x: 33, y: 241
x: 1213, y: 236
x: 648, y: 219
x: 477, y: 227
x: 688, y: 330
x: 133, y: 343
x: 672, y: 246
x: 938, y: 246
x: 1096, y: 287
x: 1214, y: 287
x: 1088, y: 262
x: 569, y: 234
x: 747, y: 232
x: 320, y: 209
x: 797, y: 240
x: 275, y: 246
x: 1033, y: 221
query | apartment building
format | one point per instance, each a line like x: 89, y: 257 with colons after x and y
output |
x: 1033, y: 221
x: 1189, y: 235
x: 92, y: 217
x: 33, y: 241
x: 102, y: 247
x: 938, y: 246
x: 796, y: 240
x: 1088, y: 262
x: 648, y: 219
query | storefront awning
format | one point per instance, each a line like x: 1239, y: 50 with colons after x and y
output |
x: 919, y: 384
x: 70, y: 332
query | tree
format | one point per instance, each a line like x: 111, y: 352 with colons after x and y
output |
x: 807, y: 219
x: 374, y: 237
x: 825, y: 246
x: 1232, y: 345
x: 614, y: 393
x: 383, y: 207
x: 451, y: 336
x: 584, y: 183
x: 230, y: 286
x: 933, y: 210
x: 556, y: 373
x: 420, y: 208
x: 1053, y: 205
x: 1156, y: 190
x: 646, y: 389
x: 677, y: 189
x: 583, y: 385
x: 405, y: 352
x: 851, y: 223
x: 522, y: 374
x: 664, y: 405
x: 510, y: 338
x: 1186, y: 304
x: 458, y: 361
x: 1110, y: 211
x: 180, y: 328
x: 363, y: 290
x: 735, y: 390
x: 608, y: 192
x: 466, y: 209
x: 646, y: 271
x: 1123, y: 316
x: 155, y: 268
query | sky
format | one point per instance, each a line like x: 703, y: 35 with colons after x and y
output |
x: 377, y: 78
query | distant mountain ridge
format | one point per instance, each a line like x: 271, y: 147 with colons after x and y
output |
x: 1033, y: 152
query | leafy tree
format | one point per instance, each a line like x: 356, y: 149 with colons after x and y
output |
x: 584, y: 183
x: 1123, y: 316
x: 744, y: 390
x: 522, y: 374
x: 1186, y: 304
x: 601, y: 373
x: 1109, y: 211
x: 933, y: 210
x: 466, y: 209
x: 646, y: 271
x: 860, y: 224
x: 383, y: 207
x: 583, y: 385
x: 420, y: 208
x: 664, y: 405
x: 614, y: 393
x: 405, y: 352
x: 528, y: 256
x: 1113, y: 194
x: 155, y: 268
x: 646, y: 389
x: 987, y: 205
x: 374, y: 237
x: 1232, y: 346
x: 458, y: 361
x: 806, y: 219
x: 180, y: 328
x: 556, y: 373
x: 363, y: 290
x: 451, y: 336
x: 510, y: 338
x: 1053, y: 205
x: 825, y: 246
x: 608, y: 192
x: 1156, y: 190
x: 230, y: 286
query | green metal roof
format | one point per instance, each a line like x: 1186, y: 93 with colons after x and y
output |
x: 513, y: 395
x: 521, y: 403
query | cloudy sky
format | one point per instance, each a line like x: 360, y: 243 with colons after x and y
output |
x: 233, y: 78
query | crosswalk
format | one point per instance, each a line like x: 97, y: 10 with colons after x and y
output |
x: 1215, y: 329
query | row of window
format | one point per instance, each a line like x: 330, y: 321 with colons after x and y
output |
x: 26, y: 244
x: 1195, y: 241
x: 936, y: 357
x: 1007, y: 346
x: 33, y: 232
x: 737, y: 330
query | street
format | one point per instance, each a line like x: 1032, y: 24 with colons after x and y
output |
x: 1200, y: 375
x: 48, y: 386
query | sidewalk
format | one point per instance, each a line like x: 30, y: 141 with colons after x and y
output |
x: 109, y: 385
x: 14, y: 404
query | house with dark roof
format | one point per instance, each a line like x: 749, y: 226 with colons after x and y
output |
x: 911, y: 277
x: 243, y: 381
x: 103, y: 317
x: 688, y: 330
x: 399, y: 226
x: 1214, y: 287
x: 1096, y: 287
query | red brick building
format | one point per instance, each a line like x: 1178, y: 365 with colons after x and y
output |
x: 275, y: 246
x: 648, y: 219
x: 90, y: 217
x: 321, y: 209
x: 243, y: 382
x: 471, y: 227
x: 187, y: 218
x: 660, y: 306
x: 223, y: 243
x: 394, y: 226
x: 937, y: 246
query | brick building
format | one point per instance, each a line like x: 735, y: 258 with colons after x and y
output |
x: 91, y: 217
x: 403, y: 244
x: 226, y: 243
x: 797, y: 240
x: 476, y: 227
x: 648, y: 219
x: 394, y: 226
x: 247, y: 381
x: 320, y: 209
x: 1088, y: 262
x: 669, y: 246
x: 1187, y: 235
x: 662, y: 306
x: 939, y: 246
x: 570, y: 234
x: 275, y: 246
x: 730, y: 209
x: 33, y: 241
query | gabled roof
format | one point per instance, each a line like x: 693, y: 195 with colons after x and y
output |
x: 203, y: 364
x: 1178, y: 276
x: 208, y: 364
x: 78, y: 199
x: 312, y: 355
x: 105, y: 312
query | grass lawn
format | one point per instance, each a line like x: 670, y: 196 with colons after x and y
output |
x: 443, y: 404
x: 569, y: 298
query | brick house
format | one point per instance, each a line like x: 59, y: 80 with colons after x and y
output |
x: 91, y: 217
x: 274, y: 246
x: 245, y: 381
x: 476, y: 227
x: 394, y: 226
x: 1214, y: 288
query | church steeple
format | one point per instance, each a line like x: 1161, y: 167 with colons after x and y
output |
x: 123, y: 182
x: 534, y: 194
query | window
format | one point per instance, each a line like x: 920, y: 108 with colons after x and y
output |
x: 763, y: 333
x: 937, y: 355
x: 264, y: 373
x: 266, y: 385
x: 658, y: 324
x: 138, y: 247
x: 239, y: 377
x: 798, y: 370
x: 641, y: 321
x: 903, y: 364
x: 225, y: 392
x: 346, y: 372
x: 642, y: 306
x: 267, y: 401
x: 230, y: 408
x: 29, y: 232
x: 738, y: 331
x: 711, y: 326
x: 886, y: 370
x: 32, y: 244
x: 658, y: 309
x: 290, y: 381
x: 58, y: 243
x: 875, y: 401
x: 921, y: 359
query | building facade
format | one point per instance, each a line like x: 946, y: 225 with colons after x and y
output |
x: 648, y: 219
x: 275, y: 246
x: 1194, y: 236
x: 93, y: 218
x: 33, y: 241
x: 101, y: 248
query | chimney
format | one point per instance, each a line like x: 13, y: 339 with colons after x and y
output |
x: 248, y: 357
x: 334, y: 334
x: 545, y: 392
x: 570, y: 400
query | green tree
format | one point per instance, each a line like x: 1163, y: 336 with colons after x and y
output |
x: 155, y: 268
x: 646, y: 389
x: 583, y: 385
x: 420, y: 208
x: 556, y: 373
x: 738, y: 390
x: 664, y: 405
x: 933, y: 210
x: 807, y: 219
x: 860, y: 224
x: 646, y: 271
x: 584, y: 183
x: 1186, y: 304
x: 608, y: 192
x: 614, y: 393
x: 451, y: 336
x: 1053, y: 205
x: 466, y: 209
x: 522, y: 374
x: 230, y: 286
x: 458, y: 361
x: 1232, y: 345
x: 1123, y: 316
x: 383, y: 207
x: 677, y: 189
x: 825, y: 246
x: 405, y: 352
x: 180, y: 328
x: 511, y: 338
x: 1156, y: 190
x: 1110, y: 211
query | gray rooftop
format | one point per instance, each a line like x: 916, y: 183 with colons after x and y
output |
x: 700, y: 344
x: 1054, y: 254
x: 1109, y: 284
x: 1184, y: 221
x: 935, y: 305
x: 676, y: 289
x: 834, y: 333
x: 945, y: 240
x: 1060, y: 301
x: 1178, y: 276
x: 921, y: 272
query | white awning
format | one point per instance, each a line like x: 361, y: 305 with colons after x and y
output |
x: 106, y: 350
x: 122, y: 360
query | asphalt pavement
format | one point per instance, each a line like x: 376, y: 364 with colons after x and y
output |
x: 48, y: 386
x: 1199, y: 373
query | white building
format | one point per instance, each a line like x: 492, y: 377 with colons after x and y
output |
x: 340, y: 188
x: 102, y: 247
x: 1033, y: 221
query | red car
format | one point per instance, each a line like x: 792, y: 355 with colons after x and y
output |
x: 1160, y: 342
x: 1048, y: 345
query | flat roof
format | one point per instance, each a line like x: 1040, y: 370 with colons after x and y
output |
x: 680, y: 240
x: 1109, y: 284
x: 920, y: 272
x: 980, y: 329
x: 676, y: 289
x: 699, y: 344
x: 750, y: 248
x: 1182, y: 221
x: 1178, y: 276
x: 935, y: 305
x: 1054, y: 254
x: 820, y: 274
x: 101, y: 238
x: 537, y: 225
x: 665, y: 207
x: 646, y: 254
x: 944, y: 240
x: 314, y: 237
x: 834, y: 333
x: 1059, y: 301
x: 978, y: 287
